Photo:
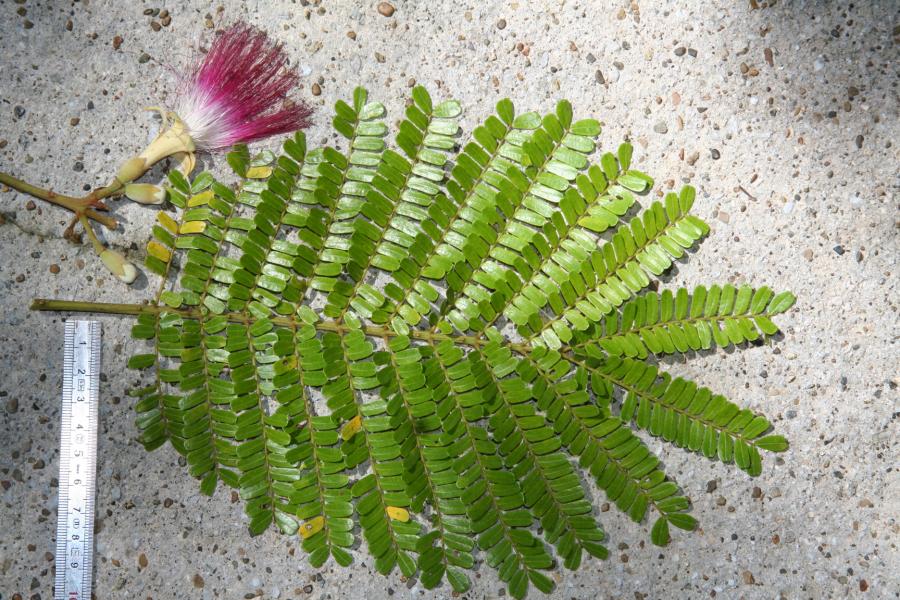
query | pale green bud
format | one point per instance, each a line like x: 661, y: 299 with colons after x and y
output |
x: 118, y: 265
x: 145, y: 193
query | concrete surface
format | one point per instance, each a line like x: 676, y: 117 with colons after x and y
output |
x: 784, y: 117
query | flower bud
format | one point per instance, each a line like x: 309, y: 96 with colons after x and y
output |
x: 118, y: 265
x: 145, y: 193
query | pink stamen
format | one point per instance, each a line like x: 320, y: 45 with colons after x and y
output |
x: 239, y: 92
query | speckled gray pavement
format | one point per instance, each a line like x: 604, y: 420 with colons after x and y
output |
x: 784, y: 118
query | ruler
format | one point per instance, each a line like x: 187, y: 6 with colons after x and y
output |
x: 77, y: 461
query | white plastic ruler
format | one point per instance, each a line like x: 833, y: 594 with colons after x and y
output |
x: 78, y: 461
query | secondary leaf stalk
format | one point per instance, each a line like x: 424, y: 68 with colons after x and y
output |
x: 112, y: 308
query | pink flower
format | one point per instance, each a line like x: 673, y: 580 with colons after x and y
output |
x: 239, y: 92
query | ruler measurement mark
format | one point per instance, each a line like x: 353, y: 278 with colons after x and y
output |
x: 77, y: 461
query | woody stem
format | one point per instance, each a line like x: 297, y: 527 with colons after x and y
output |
x: 78, y: 206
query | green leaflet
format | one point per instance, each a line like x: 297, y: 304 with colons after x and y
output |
x: 417, y: 349
x: 342, y: 185
x: 616, y: 271
x: 529, y: 196
x: 466, y: 212
x: 669, y: 322
x: 397, y: 204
